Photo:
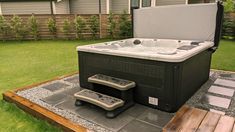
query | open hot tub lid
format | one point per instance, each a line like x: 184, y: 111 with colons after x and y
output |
x: 200, y: 22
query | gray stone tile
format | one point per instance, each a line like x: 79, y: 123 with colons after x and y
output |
x: 89, y: 112
x: 227, y: 75
x: 55, y: 99
x: 216, y: 101
x: 221, y: 90
x: 138, y: 126
x: 155, y: 117
x: 114, y: 124
x: 136, y: 110
x: 224, y: 82
x: 68, y: 104
x: 211, y: 73
x: 71, y: 91
x: 55, y: 86
x: 74, y: 80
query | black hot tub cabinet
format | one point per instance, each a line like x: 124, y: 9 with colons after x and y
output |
x: 165, y: 85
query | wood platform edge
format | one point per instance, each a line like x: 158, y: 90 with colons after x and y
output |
x: 42, y: 113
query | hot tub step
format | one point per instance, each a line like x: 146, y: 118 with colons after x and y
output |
x: 113, y: 82
x: 106, y: 102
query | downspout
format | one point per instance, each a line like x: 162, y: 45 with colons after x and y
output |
x: 70, y: 10
x: 100, y: 18
x: 51, y: 5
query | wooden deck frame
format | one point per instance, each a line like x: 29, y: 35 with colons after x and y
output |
x: 41, y: 112
x: 189, y: 119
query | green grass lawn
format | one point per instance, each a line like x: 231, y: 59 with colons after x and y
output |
x: 224, y: 57
x: 27, y: 62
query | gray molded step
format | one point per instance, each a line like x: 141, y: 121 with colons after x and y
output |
x: 104, y: 101
x: 113, y: 82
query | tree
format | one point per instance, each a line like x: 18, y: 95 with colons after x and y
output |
x: 94, y: 27
x: 67, y: 28
x: 111, y: 25
x: 33, y: 27
x: 4, y: 27
x: 18, y: 28
x: 80, y: 25
x: 51, y: 23
x: 125, y: 27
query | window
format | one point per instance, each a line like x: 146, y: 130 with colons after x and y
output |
x: 146, y: 3
x: 135, y: 3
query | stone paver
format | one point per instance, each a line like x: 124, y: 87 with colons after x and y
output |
x: 74, y: 80
x: 114, y: 124
x: 224, y: 82
x: 55, y: 86
x: 55, y: 99
x: 155, y: 117
x: 138, y: 126
x: 216, y: 101
x: 221, y: 90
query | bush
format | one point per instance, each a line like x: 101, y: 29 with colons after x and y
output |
x: 4, y: 28
x: 229, y: 6
x: 66, y: 29
x: 94, y: 27
x: 33, y: 27
x: 125, y: 27
x: 18, y: 28
x: 111, y: 25
x: 51, y: 23
x: 80, y: 25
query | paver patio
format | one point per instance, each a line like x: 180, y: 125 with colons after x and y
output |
x: 57, y: 96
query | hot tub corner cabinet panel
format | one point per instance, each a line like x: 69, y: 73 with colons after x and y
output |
x: 170, y: 84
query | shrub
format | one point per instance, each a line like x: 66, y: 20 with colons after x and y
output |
x: 80, y: 25
x: 4, y: 27
x: 33, y: 27
x: 66, y: 29
x: 18, y: 28
x: 111, y: 25
x: 51, y: 23
x: 94, y: 27
x: 125, y: 27
x: 229, y: 6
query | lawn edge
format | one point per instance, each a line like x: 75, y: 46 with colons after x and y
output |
x: 42, y: 113
x: 225, y: 71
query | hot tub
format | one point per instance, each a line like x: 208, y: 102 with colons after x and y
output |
x: 168, y: 65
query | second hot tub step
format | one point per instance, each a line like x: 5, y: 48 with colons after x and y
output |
x: 113, y: 82
x: 106, y: 102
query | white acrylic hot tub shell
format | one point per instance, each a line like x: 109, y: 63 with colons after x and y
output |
x: 146, y: 53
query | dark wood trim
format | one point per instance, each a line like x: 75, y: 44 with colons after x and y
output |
x: 42, y: 113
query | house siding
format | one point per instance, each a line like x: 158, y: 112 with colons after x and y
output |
x: 25, y: 7
x: 87, y: 6
x: 62, y: 7
x: 169, y: 2
x: 118, y: 6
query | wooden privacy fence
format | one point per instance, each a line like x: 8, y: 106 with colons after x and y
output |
x: 44, y: 32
